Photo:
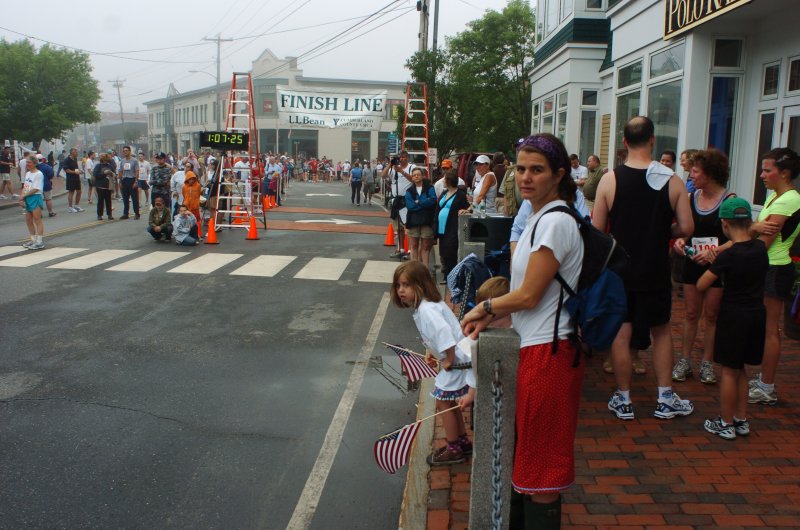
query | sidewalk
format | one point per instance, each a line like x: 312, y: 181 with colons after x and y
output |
x: 651, y: 473
x: 59, y: 190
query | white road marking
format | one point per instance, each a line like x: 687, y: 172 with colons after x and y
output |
x: 12, y: 249
x: 312, y: 492
x: 35, y: 257
x: 92, y: 260
x: 323, y: 269
x: 333, y: 221
x: 264, y: 266
x: 378, y: 271
x: 206, y: 263
x: 148, y: 262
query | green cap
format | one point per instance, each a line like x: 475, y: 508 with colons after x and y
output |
x: 735, y: 208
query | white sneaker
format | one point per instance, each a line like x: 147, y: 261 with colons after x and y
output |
x: 3, y: 197
x: 36, y: 246
x: 78, y: 209
x: 28, y: 244
x: 70, y: 209
x: 14, y: 196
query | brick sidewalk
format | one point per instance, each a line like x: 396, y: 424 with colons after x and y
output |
x: 650, y: 473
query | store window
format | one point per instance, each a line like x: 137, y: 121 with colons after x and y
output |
x: 724, y: 95
x: 769, y: 87
x: 668, y: 61
x: 561, y: 125
x: 535, y: 119
x: 594, y: 4
x: 359, y: 142
x: 728, y: 53
x: 628, y: 106
x: 567, y: 6
x: 589, y: 98
x: 547, y: 115
x: 612, y: 3
x: 794, y: 75
x: 629, y: 75
x: 663, y: 107
x: 588, y: 129
x: 551, y: 17
x: 765, y: 134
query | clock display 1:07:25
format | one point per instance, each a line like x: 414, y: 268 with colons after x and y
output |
x: 225, y: 138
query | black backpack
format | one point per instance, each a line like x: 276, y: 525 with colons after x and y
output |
x: 599, y: 306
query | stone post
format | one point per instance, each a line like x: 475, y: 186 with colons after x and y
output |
x: 464, y: 244
x: 494, y: 346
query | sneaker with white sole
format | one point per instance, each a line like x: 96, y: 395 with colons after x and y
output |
x: 617, y: 405
x: 70, y: 209
x: 36, y: 246
x: 707, y: 375
x: 681, y: 370
x: 3, y: 197
x: 78, y: 208
x: 15, y: 196
x: 28, y: 244
x: 742, y: 427
x: 671, y: 405
x: 762, y: 397
x: 716, y: 426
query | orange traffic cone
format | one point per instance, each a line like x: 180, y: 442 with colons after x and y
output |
x: 238, y: 217
x: 272, y: 202
x: 266, y: 203
x: 211, y: 238
x: 389, y: 242
x: 405, y: 243
x: 252, y: 234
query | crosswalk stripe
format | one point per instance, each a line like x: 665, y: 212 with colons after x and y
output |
x: 147, y: 262
x: 378, y: 271
x: 12, y: 249
x: 323, y: 269
x: 264, y: 266
x: 93, y: 260
x: 36, y: 257
x: 205, y: 264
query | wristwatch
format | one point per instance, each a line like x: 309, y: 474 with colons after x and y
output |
x: 487, y: 307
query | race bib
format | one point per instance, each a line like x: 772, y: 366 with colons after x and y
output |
x: 26, y: 187
x: 700, y: 244
x: 126, y: 166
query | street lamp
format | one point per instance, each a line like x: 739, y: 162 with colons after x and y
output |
x: 216, y: 78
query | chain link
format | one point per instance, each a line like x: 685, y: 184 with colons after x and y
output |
x: 497, y: 449
x: 464, y: 293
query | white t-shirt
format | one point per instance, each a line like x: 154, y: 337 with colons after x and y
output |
x: 491, y: 194
x: 557, y: 231
x: 88, y: 169
x: 439, y: 186
x: 579, y: 173
x: 33, y: 180
x: 439, y: 329
x: 176, y: 184
x: 403, y: 183
x: 144, y: 170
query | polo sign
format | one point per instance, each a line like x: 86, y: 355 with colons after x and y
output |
x: 335, y: 110
x: 683, y: 15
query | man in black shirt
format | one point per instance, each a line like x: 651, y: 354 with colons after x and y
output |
x: 70, y: 166
x: 5, y: 174
x: 637, y: 203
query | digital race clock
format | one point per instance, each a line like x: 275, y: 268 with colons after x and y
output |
x: 224, y: 140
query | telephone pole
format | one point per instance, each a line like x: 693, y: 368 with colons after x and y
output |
x: 422, y: 7
x: 219, y: 41
x: 117, y: 83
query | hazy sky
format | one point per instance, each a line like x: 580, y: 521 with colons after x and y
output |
x: 374, y: 49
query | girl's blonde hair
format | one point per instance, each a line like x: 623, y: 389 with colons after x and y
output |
x: 492, y: 288
x: 421, y: 280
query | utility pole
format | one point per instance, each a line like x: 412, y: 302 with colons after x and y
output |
x: 219, y: 41
x: 435, y: 64
x: 422, y: 7
x: 117, y: 83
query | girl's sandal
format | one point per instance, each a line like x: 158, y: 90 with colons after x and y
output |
x: 639, y: 367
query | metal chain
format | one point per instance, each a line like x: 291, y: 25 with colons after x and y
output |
x: 464, y: 294
x: 497, y: 449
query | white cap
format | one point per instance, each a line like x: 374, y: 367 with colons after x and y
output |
x: 483, y: 159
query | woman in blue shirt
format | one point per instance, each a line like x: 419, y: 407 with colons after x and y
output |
x: 355, y: 184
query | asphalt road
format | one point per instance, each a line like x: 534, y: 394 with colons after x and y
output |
x: 201, y: 400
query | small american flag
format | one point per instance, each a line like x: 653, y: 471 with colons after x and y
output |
x: 391, y: 450
x: 413, y: 364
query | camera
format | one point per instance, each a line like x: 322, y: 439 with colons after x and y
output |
x: 394, y: 161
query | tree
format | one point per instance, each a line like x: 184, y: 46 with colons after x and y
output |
x: 44, y: 92
x: 481, y: 98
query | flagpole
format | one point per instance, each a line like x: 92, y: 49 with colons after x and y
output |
x: 407, y: 350
x: 423, y: 419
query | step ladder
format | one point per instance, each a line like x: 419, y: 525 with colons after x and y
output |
x: 240, y: 192
x: 415, y: 125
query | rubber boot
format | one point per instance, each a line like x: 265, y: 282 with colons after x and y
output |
x: 542, y: 516
x: 516, y: 515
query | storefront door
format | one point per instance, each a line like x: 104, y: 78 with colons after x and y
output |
x: 790, y: 130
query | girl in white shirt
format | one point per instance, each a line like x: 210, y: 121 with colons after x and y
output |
x: 32, y: 200
x: 414, y: 287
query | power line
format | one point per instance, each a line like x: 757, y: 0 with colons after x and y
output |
x: 272, y: 26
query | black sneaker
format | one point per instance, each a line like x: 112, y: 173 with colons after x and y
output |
x: 137, y: 216
x: 124, y: 217
x: 52, y: 214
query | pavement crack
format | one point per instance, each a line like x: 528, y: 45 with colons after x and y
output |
x: 192, y: 426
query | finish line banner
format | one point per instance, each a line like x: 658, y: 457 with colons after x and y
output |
x: 334, y: 110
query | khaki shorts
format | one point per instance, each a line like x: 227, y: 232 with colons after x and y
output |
x: 396, y: 224
x: 423, y: 232
x: 47, y: 195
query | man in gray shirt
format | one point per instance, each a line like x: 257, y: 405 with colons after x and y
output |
x: 128, y: 171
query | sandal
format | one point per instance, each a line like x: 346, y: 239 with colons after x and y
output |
x: 608, y: 367
x: 639, y: 367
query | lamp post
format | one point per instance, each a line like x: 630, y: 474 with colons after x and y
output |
x: 216, y: 78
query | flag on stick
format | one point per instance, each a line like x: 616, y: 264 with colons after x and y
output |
x: 413, y: 363
x: 391, y: 450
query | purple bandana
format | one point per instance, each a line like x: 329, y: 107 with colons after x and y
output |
x: 547, y: 147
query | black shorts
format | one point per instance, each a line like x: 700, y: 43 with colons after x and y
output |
x: 73, y: 183
x: 647, y: 309
x: 739, y: 338
x: 692, y: 272
x: 779, y: 281
x: 143, y: 185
